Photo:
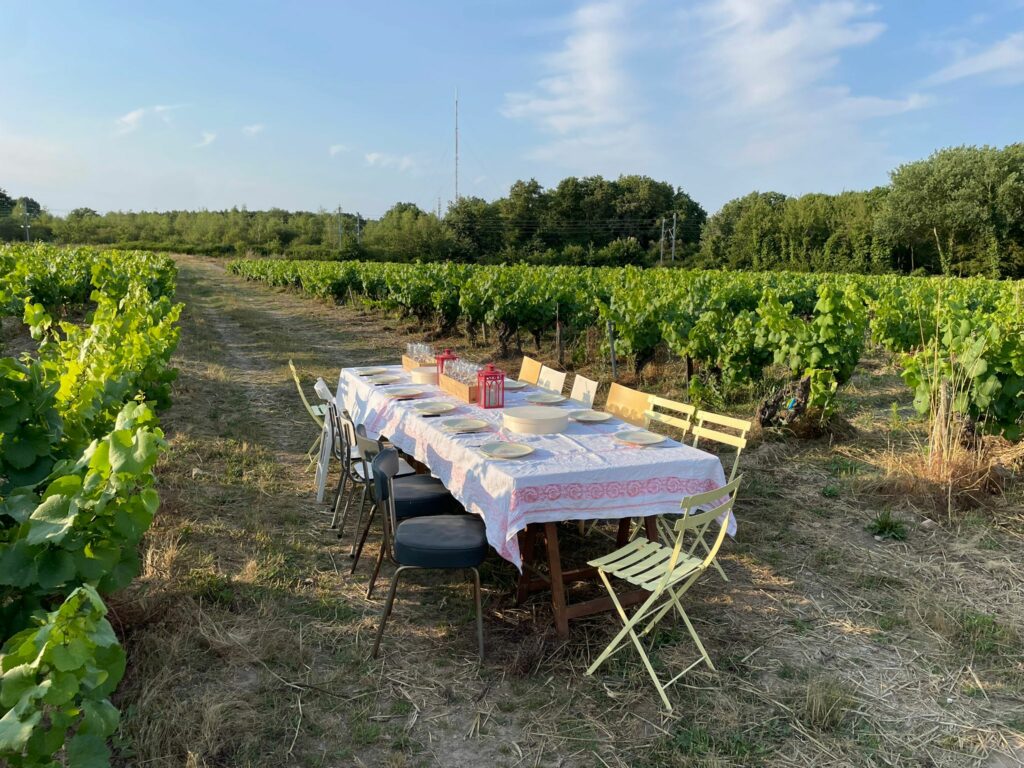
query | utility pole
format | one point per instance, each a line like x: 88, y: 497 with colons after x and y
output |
x: 341, y: 226
x: 359, y: 229
x: 456, y: 145
x: 673, y: 236
x: 26, y: 225
x: 662, y: 259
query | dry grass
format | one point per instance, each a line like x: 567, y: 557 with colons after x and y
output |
x: 248, y: 641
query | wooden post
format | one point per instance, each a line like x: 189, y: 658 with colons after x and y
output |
x: 611, y: 348
x: 558, y: 339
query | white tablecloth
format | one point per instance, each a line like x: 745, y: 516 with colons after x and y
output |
x: 580, y: 474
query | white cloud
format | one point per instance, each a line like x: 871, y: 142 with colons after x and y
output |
x: 208, y: 137
x: 586, y: 101
x: 1003, y: 60
x: 336, y: 149
x: 131, y: 121
x: 385, y: 160
x: 252, y: 130
x: 766, y: 94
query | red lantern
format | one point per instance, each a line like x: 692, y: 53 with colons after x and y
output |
x: 443, y: 358
x: 490, y: 383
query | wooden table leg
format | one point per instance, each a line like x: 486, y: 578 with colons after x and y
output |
x: 651, y: 527
x: 557, y: 584
x: 527, y: 536
x: 623, y: 535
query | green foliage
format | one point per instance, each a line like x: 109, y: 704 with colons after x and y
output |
x: 887, y: 527
x: 78, y: 443
x: 55, y: 686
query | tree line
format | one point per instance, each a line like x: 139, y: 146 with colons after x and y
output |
x: 958, y: 212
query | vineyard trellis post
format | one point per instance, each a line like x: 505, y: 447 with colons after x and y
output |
x: 558, y: 338
x: 611, y: 350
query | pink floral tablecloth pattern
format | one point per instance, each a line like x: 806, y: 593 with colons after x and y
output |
x: 583, y: 473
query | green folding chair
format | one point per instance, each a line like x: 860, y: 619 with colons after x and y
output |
x: 316, y: 413
x: 667, y: 572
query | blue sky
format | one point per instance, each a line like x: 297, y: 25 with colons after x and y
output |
x: 307, y: 105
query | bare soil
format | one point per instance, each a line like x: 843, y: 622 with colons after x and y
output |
x: 248, y: 639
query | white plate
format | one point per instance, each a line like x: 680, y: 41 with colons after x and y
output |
x: 464, y: 425
x: 369, y: 371
x: 545, y: 398
x: 435, y: 408
x: 404, y: 393
x: 639, y: 437
x: 513, y: 384
x: 503, y: 450
x: 388, y: 378
x: 589, y: 415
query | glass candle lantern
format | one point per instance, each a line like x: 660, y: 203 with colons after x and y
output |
x: 490, y: 384
x: 443, y: 358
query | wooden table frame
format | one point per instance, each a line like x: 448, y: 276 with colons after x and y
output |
x: 558, y: 577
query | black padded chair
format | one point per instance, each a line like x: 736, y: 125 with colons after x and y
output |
x: 439, y: 541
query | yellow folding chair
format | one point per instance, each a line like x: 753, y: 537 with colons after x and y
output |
x: 672, y: 414
x: 628, y: 404
x: 316, y: 413
x: 667, y: 572
x: 739, y: 442
x: 715, y: 433
x: 529, y: 371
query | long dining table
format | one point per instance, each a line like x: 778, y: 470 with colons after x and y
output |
x: 582, y: 473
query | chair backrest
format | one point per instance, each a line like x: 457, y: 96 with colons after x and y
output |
x: 697, y: 523
x: 628, y: 404
x: 385, y: 467
x: 529, y: 371
x: 551, y: 379
x: 584, y: 390
x: 672, y: 413
x: 302, y: 395
x: 715, y: 433
x: 322, y: 390
x: 344, y: 434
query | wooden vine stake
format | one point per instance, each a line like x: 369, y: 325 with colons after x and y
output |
x: 558, y: 339
x: 611, y: 349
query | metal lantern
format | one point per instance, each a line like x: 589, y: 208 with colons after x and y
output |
x: 443, y: 358
x: 490, y: 384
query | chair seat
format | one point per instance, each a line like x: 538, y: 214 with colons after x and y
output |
x: 644, y: 564
x: 446, y: 541
x: 404, y: 470
x: 419, y: 495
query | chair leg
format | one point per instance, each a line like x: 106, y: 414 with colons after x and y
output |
x: 359, y: 521
x: 387, y: 610
x: 696, y: 637
x: 338, y: 492
x: 479, y: 612
x: 376, y: 572
x: 718, y: 566
x: 362, y: 539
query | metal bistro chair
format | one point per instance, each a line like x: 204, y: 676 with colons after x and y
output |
x: 551, y: 379
x: 667, y: 572
x: 316, y: 412
x: 368, y: 450
x: 439, y: 541
x: 715, y: 434
x: 529, y: 371
x: 413, y: 495
x: 584, y: 390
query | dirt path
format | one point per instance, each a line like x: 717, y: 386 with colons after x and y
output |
x: 248, y: 639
